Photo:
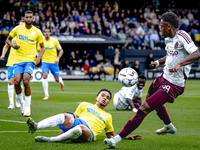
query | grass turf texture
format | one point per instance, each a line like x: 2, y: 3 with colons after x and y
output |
x: 184, y: 114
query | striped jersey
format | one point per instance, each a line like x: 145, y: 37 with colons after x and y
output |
x: 178, y: 48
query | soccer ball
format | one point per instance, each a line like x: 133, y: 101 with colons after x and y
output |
x: 128, y: 77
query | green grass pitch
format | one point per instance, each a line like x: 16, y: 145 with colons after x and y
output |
x: 184, y: 114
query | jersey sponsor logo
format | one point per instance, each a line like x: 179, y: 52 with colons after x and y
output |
x: 95, y: 113
x: 25, y: 38
x: 172, y: 53
x: 176, y: 45
x: 48, y: 48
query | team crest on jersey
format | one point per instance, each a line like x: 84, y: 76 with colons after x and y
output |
x: 51, y: 43
x: 32, y: 33
x: 176, y: 45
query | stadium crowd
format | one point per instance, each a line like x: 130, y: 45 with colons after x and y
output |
x: 137, y: 27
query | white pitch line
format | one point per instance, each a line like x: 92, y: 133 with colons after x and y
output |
x: 27, y: 131
x: 12, y: 121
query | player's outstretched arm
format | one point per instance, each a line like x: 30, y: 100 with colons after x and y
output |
x: 188, y: 60
x: 156, y: 63
x: 59, y: 55
x: 130, y: 137
x: 9, y: 42
x: 41, y: 52
x: 4, y: 51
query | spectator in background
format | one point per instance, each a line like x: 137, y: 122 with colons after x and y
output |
x: 82, y: 17
x: 126, y: 64
x: 131, y: 24
x: 149, y: 60
x: 155, y: 40
x: 184, y: 23
x: 72, y: 24
x: 121, y: 36
x: 190, y: 15
x: 79, y: 59
x: 101, y: 70
x: 147, y: 40
x: 87, y: 70
x: 73, y: 63
x: 85, y: 55
x: 137, y: 66
x: 75, y: 18
x: 116, y: 60
x: 98, y: 57
x: 66, y: 32
x: 117, y: 17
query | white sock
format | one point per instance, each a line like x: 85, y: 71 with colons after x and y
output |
x: 168, y: 125
x: 71, y: 134
x: 28, y: 101
x: 45, y: 86
x: 117, y: 138
x: 20, y: 98
x: 60, y: 80
x: 51, y: 121
x: 11, y: 93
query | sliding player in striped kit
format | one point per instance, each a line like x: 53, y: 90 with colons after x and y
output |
x: 181, y: 52
x: 50, y: 61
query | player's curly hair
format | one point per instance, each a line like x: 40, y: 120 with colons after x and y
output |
x: 171, y: 18
x: 106, y: 91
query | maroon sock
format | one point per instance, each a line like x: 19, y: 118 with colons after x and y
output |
x: 163, y: 115
x: 133, y: 123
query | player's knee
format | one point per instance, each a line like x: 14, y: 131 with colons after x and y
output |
x: 11, y: 82
x: 26, y: 82
x: 57, y: 79
x: 145, y: 107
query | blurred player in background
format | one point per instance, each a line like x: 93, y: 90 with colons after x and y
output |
x: 9, y: 65
x: 50, y: 61
x: 84, y: 125
x: 130, y: 98
x: 181, y: 52
x: 25, y: 57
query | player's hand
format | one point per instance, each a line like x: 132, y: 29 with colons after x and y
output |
x: 133, y: 137
x: 57, y: 60
x: 175, y: 69
x: 2, y: 57
x: 153, y: 65
x: 37, y: 60
x: 15, y: 46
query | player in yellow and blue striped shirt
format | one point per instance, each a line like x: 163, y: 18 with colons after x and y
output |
x: 84, y: 125
x: 25, y: 59
x: 50, y: 60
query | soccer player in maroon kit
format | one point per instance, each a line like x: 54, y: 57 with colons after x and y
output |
x: 181, y: 52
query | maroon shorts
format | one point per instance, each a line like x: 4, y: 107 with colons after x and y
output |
x: 162, y: 91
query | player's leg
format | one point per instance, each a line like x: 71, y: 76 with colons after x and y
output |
x: 45, y: 72
x: 27, y: 89
x: 45, y: 85
x: 46, y: 123
x: 28, y: 71
x: 18, y: 71
x: 168, y: 126
x: 55, y: 71
x: 157, y: 99
x: 11, y: 87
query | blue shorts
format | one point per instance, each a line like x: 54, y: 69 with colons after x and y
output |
x: 23, y: 67
x: 53, y: 67
x: 77, y: 121
x: 10, y: 72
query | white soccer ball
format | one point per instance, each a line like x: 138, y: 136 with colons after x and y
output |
x: 128, y: 77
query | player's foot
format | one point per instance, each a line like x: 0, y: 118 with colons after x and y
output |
x: 11, y: 106
x: 171, y: 129
x: 46, y: 97
x: 62, y: 86
x: 42, y: 139
x: 17, y: 103
x: 110, y: 142
x: 27, y: 112
x: 32, y: 126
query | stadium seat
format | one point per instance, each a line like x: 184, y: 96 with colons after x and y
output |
x: 134, y: 20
